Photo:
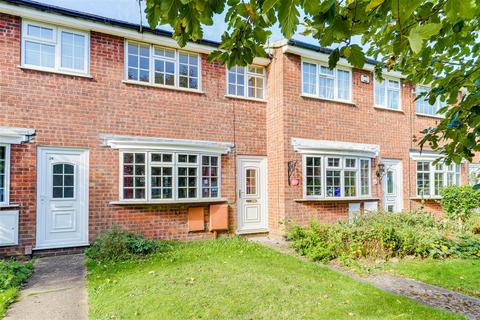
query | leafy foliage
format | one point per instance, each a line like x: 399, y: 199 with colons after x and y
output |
x: 458, y: 203
x: 384, y: 235
x: 432, y: 42
x: 13, y: 273
x: 119, y: 245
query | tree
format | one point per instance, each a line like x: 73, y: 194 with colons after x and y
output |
x: 434, y: 42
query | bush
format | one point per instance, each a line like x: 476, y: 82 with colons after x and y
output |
x: 459, y: 203
x: 13, y: 273
x: 118, y: 245
x: 384, y: 235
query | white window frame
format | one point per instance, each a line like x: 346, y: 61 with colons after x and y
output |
x: 7, y: 175
x: 319, y: 64
x: 431, y: 174
x: 151, y: 66
x: 385, y: 80
x: 175, y: 165
x: 245, y: 83
x: 342, y: 168
x: 438, y: 104
x: 57, y: 42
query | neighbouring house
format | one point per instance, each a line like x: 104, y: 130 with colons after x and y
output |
x: 102, y: 123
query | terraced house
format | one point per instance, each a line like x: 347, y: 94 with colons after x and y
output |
x: 103, y: 122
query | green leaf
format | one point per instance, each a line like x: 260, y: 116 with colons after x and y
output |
x: 355, y: 55
x: 402, y: 10
x: 269, y: 4
x: 333, y: 58
x: 422, y: 32
x: 373, y: 4
x: 288, y: 17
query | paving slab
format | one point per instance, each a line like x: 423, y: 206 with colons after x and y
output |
x: 56, y: 290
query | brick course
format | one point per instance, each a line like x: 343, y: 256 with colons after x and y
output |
x: 74, y: 111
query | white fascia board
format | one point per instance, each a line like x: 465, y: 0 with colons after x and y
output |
x: 83, y: 24
x: 124, y: 142
x: 425, y: 155
x: 310, y: 146
x: 323, y: 57
x: 15, y: 135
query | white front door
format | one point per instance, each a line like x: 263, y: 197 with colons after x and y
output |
x: 392, y: 194
x: 62, y: 198
x: 252, y: 194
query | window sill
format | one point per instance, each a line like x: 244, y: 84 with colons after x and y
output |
x: 350, y: 103
x: 8, y: 206
x: 229, y: 96
x: 337, y: 199
x: 430, y: 116
x: 154, y: 203
x: 147, y: 84
x: 426, y: 198
x: 388, y: 109
x: 47, y: 70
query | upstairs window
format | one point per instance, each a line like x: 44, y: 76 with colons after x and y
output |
x: 387, y: 93
x: 4, y: 173
x: 422, y: 104
x: 155, y: 176
x: 53, y: 48
x: 248, y: 82
x: 336, y: 177
x: 162, y: 66
x: 320, y: 81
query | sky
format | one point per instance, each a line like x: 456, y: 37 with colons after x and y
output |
x: 128, y: 10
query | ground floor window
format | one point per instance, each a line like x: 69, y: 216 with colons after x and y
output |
x: 336, y: 177
x: 432, y: 178
x: 156, y: 176
x: 4, y: 173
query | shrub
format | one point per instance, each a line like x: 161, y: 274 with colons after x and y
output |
x: 13, y: 273
x: 119, y: 245
x: 384, y: 235
x: 473, y: 224
x: 458, y: 203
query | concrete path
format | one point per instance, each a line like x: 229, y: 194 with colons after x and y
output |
x: 57, y: 290
x: 424, y: 293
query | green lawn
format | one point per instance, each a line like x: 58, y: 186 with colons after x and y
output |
x: 236, y: 279
x: 458, y: 275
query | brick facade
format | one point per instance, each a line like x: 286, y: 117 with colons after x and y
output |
x: 72, y: 111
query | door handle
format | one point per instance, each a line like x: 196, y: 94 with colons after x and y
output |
x: 239, y: 193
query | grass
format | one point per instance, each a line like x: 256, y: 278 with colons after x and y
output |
x: 237, y: 279
x: 12, y: 274
x: 6, y: 298
x: 461, y: 275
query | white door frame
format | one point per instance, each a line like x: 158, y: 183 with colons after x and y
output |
x: 398, y: 187
x: 42, y: 163
x: 263, y: 188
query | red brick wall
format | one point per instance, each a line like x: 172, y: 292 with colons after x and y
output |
x: 74, y: 111
x: 360, y: 122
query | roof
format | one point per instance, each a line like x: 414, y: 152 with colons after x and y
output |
x: 308, y: 46
x: 145, y: 29
x: 97, y: 18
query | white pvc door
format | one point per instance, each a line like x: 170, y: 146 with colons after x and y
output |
x: 252, y: 194
x: 62, y: 204
x: 392, y: 194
